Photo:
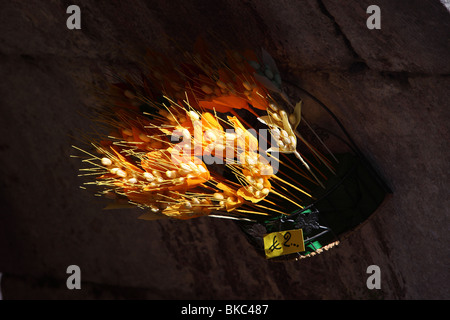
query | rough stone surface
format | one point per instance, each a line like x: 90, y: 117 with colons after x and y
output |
x: 399, y: 45
x: 389, y: 87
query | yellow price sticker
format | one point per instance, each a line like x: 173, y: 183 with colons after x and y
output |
x: 283, y: 242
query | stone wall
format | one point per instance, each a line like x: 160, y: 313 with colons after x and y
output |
x: 389, y: 87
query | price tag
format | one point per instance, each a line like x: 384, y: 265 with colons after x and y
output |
x: 283, y: 242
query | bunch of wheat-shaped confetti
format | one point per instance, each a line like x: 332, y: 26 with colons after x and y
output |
x: 181, y: 140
